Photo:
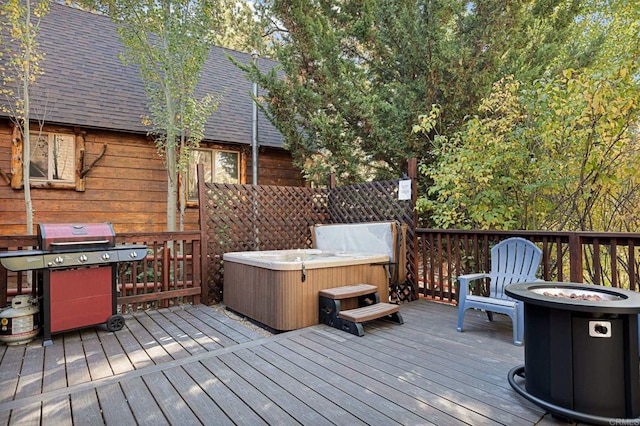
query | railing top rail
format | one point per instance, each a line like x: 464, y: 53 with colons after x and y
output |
x: 175, y: 235
x: 554, y: 234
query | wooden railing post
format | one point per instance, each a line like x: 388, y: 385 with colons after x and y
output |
x: 412, y: 171
x: 205, y: 259
x: 575, y: 258
x: 3, y: 286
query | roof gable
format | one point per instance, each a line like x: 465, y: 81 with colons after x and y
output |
x: 85, y: 83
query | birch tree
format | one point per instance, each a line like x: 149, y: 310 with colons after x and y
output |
x: 169, y: 41
x: 20, y: 23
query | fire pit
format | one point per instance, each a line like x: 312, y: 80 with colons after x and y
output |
x: 581, y: 351
x: 78, y: 279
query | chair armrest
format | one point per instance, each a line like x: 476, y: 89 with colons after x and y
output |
x: 464, y: 282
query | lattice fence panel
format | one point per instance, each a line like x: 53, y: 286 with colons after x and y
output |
x: 374, y: 202
x: 247, y: 218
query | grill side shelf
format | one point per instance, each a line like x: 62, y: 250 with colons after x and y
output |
x: 22, y: 260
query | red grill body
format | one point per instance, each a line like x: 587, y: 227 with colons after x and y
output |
x: 77, y: 282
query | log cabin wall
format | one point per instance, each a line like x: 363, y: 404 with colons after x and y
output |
x: 127, y: 186
x: 274, y: 168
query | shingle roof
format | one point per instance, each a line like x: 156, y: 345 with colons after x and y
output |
x: 85, y: 83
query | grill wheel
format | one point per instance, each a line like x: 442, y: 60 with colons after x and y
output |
x: 115, y: 323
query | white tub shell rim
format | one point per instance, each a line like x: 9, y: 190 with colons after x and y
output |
x: 299, y: 259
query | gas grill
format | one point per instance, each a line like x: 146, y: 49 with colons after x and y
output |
x: 77, y: 274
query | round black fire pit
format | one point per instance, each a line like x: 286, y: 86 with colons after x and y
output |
x: 581, y: 351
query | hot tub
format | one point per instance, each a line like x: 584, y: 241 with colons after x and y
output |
x: 280, y: 288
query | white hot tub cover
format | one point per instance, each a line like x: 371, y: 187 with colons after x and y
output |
x: 368, y: 237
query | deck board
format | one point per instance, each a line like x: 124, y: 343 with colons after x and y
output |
x: 368, y: 406
x: 199, y: 341
x: 96, y: 358
x: 439, y: 376
x: 142, y: 403
x: 233, y: 407
x: 347, y: 405
x: 261, y: 404
x: 55, y: 368
x: 27, y: 415
x: 198, y: 365
x: 57, y: 411
x: 133, y: 350
x: 85, y: 408
x: 170, y: 323
x: 31, y: 373
x: 233, y: 327
x: 373, y: 391
x: 10, y: 371
x: 172, y: 405
x: 77, y: 368
x: 167, y: 341
x: 154, y: 349
x: 281, y: 396
x: 475, y: 407
x: 320, y: 410
x: 114, y: 405
x: 115, y: 354
x: 196, y: 398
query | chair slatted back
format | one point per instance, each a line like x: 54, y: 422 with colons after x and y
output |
x: 513, y: 260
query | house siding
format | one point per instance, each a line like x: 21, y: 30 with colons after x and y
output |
x: 126, y: 187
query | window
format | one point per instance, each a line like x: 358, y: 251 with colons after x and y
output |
x: 52, y: 157
x: 219, y: 167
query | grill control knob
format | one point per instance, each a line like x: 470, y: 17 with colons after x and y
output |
x: 83, y: 258
x: 133, y: 255
x: 58, y: 260
x: 106, y: 257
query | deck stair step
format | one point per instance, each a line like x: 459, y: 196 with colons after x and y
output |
x: 368, y: 313
x: 348, y: 291
x: 367, y: 304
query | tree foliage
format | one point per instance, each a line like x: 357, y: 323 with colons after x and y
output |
x: 558, y: 153
x: 358, y: 73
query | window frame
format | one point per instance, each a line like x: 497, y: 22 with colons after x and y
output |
x: 49, y: 180
x: 78, y: 183
x: 191, y: 169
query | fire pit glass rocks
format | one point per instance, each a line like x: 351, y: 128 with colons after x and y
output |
x: 581, y: 351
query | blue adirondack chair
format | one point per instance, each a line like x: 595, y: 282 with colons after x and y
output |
x: 512, y: 260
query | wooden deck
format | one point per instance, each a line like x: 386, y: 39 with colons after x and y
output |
x: 195, y: 365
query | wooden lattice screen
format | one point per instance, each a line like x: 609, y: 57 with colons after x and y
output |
x: 376, y: 202
x: 261, y: 217
x: 247, y: 218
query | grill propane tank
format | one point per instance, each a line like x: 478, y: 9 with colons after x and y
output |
x: 19, y: 323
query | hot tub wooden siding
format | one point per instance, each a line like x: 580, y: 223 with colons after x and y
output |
x: 282, y: 301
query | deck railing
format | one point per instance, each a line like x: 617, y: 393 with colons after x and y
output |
x: 610, y: 259
x: 170, y: 274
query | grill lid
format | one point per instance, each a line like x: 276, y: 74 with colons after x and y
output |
x: 70, y: 236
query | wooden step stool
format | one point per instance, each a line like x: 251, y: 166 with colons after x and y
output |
x: 367, y: 304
